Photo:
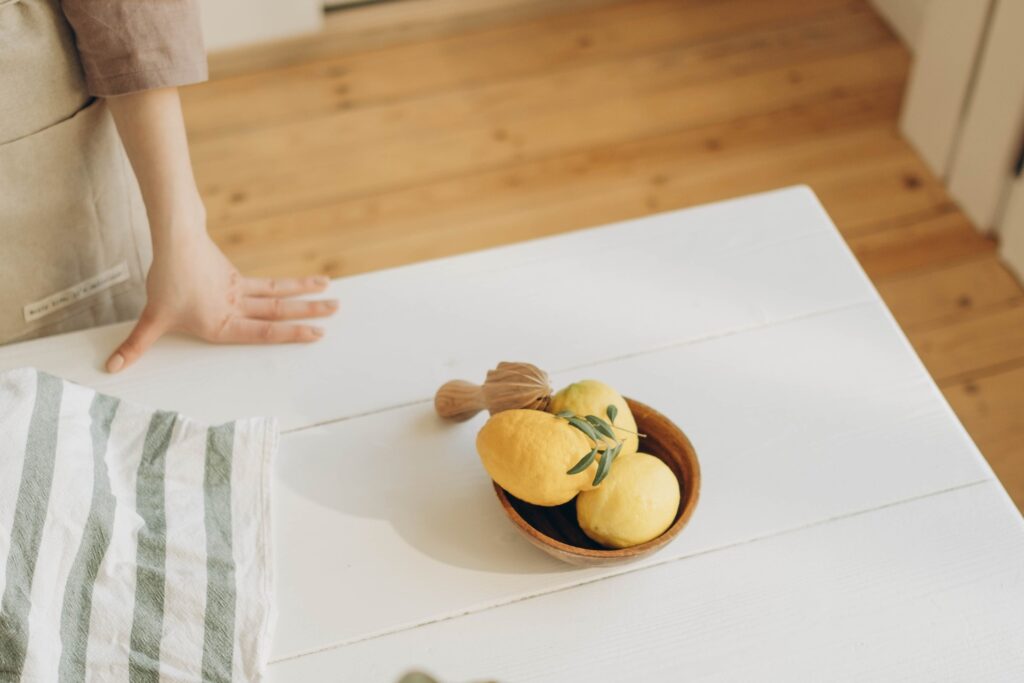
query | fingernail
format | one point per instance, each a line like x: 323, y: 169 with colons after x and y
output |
x: 321, y: 280
x: 317, y: 331
x: 115, y: 363
x: 332, y: 304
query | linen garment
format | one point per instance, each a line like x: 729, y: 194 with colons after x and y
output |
x: 134, y: 543
x: 131, y: 45
x: 74, y: 239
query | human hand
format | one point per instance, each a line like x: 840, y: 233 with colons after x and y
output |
x: 193, y: 288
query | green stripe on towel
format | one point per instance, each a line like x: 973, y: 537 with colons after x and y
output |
x: 151, y: 556
x: 29, y: 517
x: 218, y: 634
x: 74, y: 620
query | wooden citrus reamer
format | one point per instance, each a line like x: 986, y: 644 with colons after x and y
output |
x: 508, y: 386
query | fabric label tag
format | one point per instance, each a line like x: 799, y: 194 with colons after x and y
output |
x: 74, y: 293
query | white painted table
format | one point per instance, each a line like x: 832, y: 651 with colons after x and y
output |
x: 848, y: 529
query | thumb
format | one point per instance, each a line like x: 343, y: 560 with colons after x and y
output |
x: 146, y: 331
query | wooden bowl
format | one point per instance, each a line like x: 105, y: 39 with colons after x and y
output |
x: 555, y: 529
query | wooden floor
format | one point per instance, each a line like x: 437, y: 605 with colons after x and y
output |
x: 599, y: 111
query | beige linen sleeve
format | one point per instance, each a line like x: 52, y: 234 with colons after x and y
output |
x: 131, y: 45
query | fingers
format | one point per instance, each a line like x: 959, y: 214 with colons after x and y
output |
x: 285, y: 309
x: 145, y: 333
x: 244, y: 331
x: 284, y: 286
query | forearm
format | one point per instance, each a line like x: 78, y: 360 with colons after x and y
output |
x: 191, y: 286
x: 152, y: 128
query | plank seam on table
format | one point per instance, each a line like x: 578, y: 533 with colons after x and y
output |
x: 613, y: 359
x: 916, y: 358
x: 356, y: 416
x: 636, y: 569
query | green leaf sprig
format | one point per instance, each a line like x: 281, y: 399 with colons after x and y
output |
x: 602, y: 433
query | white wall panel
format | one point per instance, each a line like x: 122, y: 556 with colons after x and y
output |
x: 988, y: 145
x: 940, y: 79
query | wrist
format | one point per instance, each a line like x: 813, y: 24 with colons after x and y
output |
x: 182, y: 219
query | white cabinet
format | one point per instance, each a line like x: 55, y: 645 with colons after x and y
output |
x: 964, y: 111
x: 1012, y: 228
x: 235, y: 23
x: 982, y: 168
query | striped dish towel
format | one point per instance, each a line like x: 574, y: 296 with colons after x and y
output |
x: 134, y: 544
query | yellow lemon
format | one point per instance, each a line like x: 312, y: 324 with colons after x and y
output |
x: 636, y: 502
x: 528, y: 452
x: 591, y: 397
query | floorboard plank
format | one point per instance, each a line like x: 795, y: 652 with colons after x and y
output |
x: 602, y: 185
x: 939, y: 240
x: 982, y: 341
x: 948, y: 294
x: 515, y: 50
x: 348, y: 154
x: 992, y: 409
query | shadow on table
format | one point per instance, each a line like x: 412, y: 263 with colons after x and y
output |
x: 419, y: 474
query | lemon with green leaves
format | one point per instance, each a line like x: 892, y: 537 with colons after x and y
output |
x: 591, y: 397
x: 529, y: 454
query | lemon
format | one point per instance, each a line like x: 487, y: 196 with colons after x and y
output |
x: 591, y: 397
x: 635, y: 503
x: 528, y: 452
